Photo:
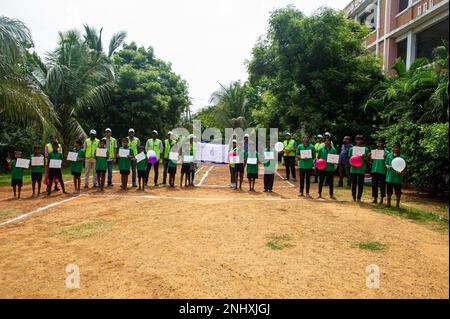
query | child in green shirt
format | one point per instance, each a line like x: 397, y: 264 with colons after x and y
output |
x: 252, y: 169
x: 305, y: 165
x: 36, y: 171
x: 172, y: 169
x: 186, y: 166
x: 394, y: 179
x: 55, y: 174
x: 77, y: 166
x: 358, y: 173
x: 378, y: 173
x: 328, y: 172
x: 16, y: 174
x: 125, y: 163
x: 269, y: 167
x: 142, y: 169
x: 101, y: 165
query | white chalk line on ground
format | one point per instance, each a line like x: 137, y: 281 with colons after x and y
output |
x: 205, y: 175
x: 37, y: 210
x: 292, y: 185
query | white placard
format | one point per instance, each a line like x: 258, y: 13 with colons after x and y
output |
x: 22, y: 163
x: 333, y: 158
x: 72, y: 156
x: 37, y: 161
x: 101, y: 152
x: 55, y: 163
x: 140, y: 157
x: 378, y: 154
x: 359, y: 150
x: 269, y: 155
x: 305, y: 154
x: 173, y: 156
x: 188, y: 158
x: 124, y: 152
x: 252, y: 160
x: 235, y: 160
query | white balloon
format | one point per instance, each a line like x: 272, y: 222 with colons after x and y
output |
x: 279, y: 146
x: 398, y: 164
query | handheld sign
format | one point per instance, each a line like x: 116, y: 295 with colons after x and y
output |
x: 37, y: 161
x: 101, y: 152
x: 252, y: 160
x: 358, y: 150
x: 140, y: 157
x: 55, y: 163
x: 72, y: 156
x: 377, y: 154
x: 333, y: 158
x: 269, y: 155
x: 188, y: 158
x: 235, y: 160
x: 23, y: 163
x: 173, y: 156
x: 124, y: 152
x: 305, y: 154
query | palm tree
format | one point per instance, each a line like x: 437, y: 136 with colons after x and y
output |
x: 77, y: 76
x: 21, y: 98
x: 231, y: 103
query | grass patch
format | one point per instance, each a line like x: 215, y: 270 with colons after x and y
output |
x: 279, y: 242
x: 8, y: 212
x: 370, y: 245
x: 95, y: 227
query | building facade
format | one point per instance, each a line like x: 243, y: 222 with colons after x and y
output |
x: 409, y: 29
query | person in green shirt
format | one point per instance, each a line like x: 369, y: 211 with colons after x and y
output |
x: 378, y: 173
x: 305, y: 165
x: 55, y: 174
x: 328, y: 172
x: 125, y: 163
x: 269, y: 167
x: 36, y: 171
x: 16, y: 174
x: 172, y: 170
x: 394, y: 179
x: 358, y: 173
x: 290, y: 145
x: 186, y: 150
x: 77, y: 166
x: 252, y: 169
x: 142, y: 169
x: 101, y: 165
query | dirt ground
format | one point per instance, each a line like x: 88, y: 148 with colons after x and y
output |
x: 212, y: 242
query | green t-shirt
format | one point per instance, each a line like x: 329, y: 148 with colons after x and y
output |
x: 362, y: 168
x: 171, y: 163
x: 101, y: 162
x: 308, y: 162
x: 55, y: 156
x: 16, y: 172
x: 142, y: 165
x: 125, y: 162
x: 36, y: 169
x: 392, y: 176
x: 379, y: 165
x: 323, y: 154
x: 270, y: 165
x: 252, y: 168
x: 77, y: 166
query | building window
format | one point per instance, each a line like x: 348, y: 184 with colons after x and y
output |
x: 402, y: 48
x: 402, y: 5
x: 431, y: 38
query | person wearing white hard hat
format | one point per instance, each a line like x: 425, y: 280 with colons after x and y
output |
x: 111, y: 146
x: 168, y: 144
x: 90, y: 147
x: 156, y: 145
x: 290, y: 146
x: 133, y: 143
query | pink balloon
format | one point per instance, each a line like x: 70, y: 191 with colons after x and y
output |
x: 152, y: 159
x: 356, y: 161
x: 321, y: 164
x: 231, y: 154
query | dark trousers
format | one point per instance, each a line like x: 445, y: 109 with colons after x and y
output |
x: 110, y: 172
x: 357, y: 185
x: 329, y: 177
x: 133, y: 172
x: 232, y: 175
x: 378, y: 181
x: 156, y: 169
x: 344, y: 170
x: 165, y: 167
x: 305, y: 174
x: 391, y: 187
x: 268, y: 181
x: 289, y: 162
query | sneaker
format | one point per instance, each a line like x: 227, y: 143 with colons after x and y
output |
x: 301, y: 195
x: 332, y: 197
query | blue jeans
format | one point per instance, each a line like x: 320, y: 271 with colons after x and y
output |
x: 133, y: 172
x: 110, y: 169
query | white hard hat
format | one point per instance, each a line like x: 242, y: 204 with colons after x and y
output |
x: 170, y: 133
x: 287, y: 133
x: 131, y: 130
x: 108, y: 130
x: 247, y: 135
x: 93, y: 132
x: 155, y: 131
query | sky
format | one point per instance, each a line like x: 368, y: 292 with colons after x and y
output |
x: 206, y: 41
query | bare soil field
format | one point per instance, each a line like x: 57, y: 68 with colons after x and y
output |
x: 214, y: 242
